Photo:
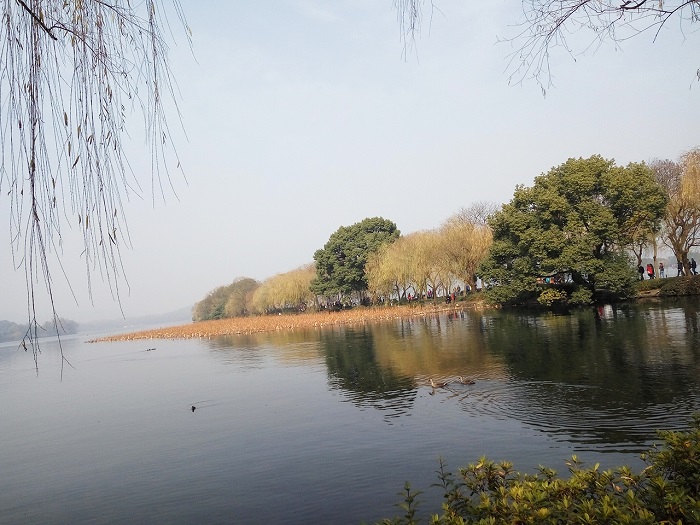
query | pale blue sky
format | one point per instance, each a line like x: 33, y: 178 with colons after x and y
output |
x: 303, y: 115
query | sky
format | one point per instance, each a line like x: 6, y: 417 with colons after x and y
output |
x: 301, y: 116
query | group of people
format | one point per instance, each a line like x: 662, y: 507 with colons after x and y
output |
x: 662, y: 271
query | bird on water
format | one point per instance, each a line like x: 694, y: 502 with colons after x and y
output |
x: 441, y: 384
x: 465, y: 381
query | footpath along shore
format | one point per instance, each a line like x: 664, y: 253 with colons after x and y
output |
x: 271, y: 323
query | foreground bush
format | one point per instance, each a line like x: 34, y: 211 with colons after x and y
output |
x: 666, y: 491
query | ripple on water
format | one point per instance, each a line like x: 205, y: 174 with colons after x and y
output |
x: 614, y: 427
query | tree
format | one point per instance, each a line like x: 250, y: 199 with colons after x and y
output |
x: 426, y: 246
x: 233, y: 300
x: 390, y: 271
x: 572, y: 228
x: 240, y: 297
x: 464, y: 245
x: 681, y: 224
x: 477, y: 213
x: 287, y: 290
x: 340, y: 264
x: 71, y: 72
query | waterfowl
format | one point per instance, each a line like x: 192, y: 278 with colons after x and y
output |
x: 442, y: 384
x: 194, y: 408
x: 465, y: 381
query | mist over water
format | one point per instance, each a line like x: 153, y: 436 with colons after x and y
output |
x: 325, y: 426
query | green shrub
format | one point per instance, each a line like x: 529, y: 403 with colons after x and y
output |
x: 688, y: 285
x: 667, y: 491
x: 650, y: 284
x: 581, y: 297
x: 551, y: 296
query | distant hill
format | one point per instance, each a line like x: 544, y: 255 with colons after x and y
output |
x: 10, y: 331
x: 127, y: 324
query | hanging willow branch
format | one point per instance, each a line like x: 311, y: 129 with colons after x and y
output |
x: 550, y: 24
x: 70, y: 74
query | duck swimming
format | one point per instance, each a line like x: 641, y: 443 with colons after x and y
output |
x: 465, y: 381
x: 439, y: 385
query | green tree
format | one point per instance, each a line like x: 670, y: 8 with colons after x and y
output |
x: 573, y: 227
x: 340, y: 264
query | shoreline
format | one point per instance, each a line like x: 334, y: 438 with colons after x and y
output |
x: 676, y: 287
x: 290, y: 322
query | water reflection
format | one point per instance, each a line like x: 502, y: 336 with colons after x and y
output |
x: 600, y: 379
x: 351, y: 358
x: 253, y: 350
x: 311, y: 416
x: 601, y: 382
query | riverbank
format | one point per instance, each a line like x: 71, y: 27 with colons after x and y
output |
x: 286, y: 322
x: 656, y: 288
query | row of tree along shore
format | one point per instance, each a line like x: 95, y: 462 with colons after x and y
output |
x: 575, y: 237
x: 657, y: 288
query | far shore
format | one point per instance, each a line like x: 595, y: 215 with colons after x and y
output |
x: 288, y: 322
x: 647, y: 289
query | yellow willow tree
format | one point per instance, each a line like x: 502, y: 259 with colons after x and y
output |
x: 464, y: 245
x: 286, y: 290
x: 389, y: 270
x: 681, y: 224
x: 426, y: 268
x: 70, y: 73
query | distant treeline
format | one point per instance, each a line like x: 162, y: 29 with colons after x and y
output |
x: 10, y: 331
x: 366, y: 263
x: 576, y: 237
x: 245, y: 296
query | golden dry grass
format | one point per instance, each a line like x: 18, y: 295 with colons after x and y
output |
x: 271, y: 323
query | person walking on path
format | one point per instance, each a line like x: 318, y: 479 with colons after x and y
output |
x: 662, y: 270
x: 680, y: 269
x: 693, y: 267
x: 650, y: 270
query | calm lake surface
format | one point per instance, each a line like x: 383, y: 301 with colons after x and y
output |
x: 325, y: 426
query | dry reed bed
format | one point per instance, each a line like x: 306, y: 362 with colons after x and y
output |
x: 271, y: 323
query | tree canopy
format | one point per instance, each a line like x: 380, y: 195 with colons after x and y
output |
x: 234, y: 300
x: 571, y: 230
x: 681, y: 224
x: 289, y: 290
x: 340, y: 264
x: 430, y: 261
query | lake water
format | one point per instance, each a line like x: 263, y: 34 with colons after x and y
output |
x: 325, y: 426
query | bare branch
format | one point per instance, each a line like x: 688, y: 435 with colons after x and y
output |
x: 549, y: 24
